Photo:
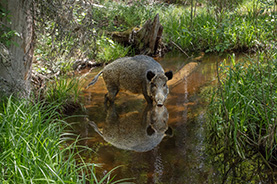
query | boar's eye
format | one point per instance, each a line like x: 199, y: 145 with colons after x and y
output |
x: 164, y: 85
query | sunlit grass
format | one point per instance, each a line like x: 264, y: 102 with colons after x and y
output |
x: 248, y: 26
x: 206, y: 33
x: 243, y: 111
x: 35, y: 148
x: 110, y: 50
x: 31, y: 143
x: 244, y: 28
x: 63, y: 91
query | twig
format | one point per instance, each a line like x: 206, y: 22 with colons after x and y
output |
x: 178, y: 47
x: 266, y: 162
x: 249, y: 139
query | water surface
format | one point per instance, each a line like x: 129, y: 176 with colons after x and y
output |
x: 168, y: 149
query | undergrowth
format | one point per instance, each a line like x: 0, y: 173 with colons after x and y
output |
x: 243, y: 110
x: 35, y: 148
x: 244, y: 26
x: 65, y: 92
x: 247, y: 26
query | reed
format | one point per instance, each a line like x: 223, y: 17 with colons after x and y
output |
x: 35, y: 148
x: 64, y: 92
x: 243, y: 109
x: 235, y: 31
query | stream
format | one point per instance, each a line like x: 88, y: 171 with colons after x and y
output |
x: 176, y: 150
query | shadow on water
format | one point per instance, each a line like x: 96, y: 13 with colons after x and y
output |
x: 162, y: 144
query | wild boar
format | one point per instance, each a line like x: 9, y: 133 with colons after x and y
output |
x: 137, y: 131
x: 138, y: 74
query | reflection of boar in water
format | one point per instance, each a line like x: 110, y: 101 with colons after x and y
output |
x: 139, y: 74
x: 134, y: 130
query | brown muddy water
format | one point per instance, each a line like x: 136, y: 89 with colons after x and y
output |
x: 164, y: 145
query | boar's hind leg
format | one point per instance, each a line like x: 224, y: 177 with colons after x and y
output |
x: 112, y: 92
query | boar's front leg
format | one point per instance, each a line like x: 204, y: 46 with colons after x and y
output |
x: 147, y: 98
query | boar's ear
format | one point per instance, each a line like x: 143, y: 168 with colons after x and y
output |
x: 169, y: 75
x: 150, y: 75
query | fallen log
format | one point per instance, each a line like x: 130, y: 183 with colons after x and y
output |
x: 183, y: 73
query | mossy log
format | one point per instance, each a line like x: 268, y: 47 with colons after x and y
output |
x: 145, y: 40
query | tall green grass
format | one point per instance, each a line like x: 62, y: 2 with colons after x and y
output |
x: 243, y: 110
x: 35, y: 149
x: 245, y: 27
x: 109, y: 50
x: 31, y: 144
x: 121, y: 16
x: 235, y: 31
x: 64, y: 92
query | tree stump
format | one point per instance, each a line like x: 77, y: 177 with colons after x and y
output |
x: 146, y: 40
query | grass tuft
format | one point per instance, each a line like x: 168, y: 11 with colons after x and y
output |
x: 243, y: 111
x: 63, y: 92
x: 34, y: 147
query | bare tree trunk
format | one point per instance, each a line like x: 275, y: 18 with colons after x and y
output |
x: 16, y: 60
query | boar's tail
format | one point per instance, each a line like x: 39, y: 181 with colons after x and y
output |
x: 91, y: 123
x: 94, y: 80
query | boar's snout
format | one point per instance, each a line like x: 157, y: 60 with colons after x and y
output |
x: 159, y: 99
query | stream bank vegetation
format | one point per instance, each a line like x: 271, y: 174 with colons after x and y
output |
x: 243, y: 110
x: 88, y: 30
x: 33, y: 142
x: 35, y: 148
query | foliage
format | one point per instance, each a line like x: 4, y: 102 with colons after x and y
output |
x: 227, y: 25
x: 35, y: 149
x: 243, y: 110
x: 64, y: 28
x: 110, y: 50
x: 30, y: 141
x: 235, y: 31
x: 64, y: 92
x: 75, y: 30
x: 121, y: 16
x: 6, y: 33
x: 79, y: 37
x: 234, y: 169
x: 221, y: 6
